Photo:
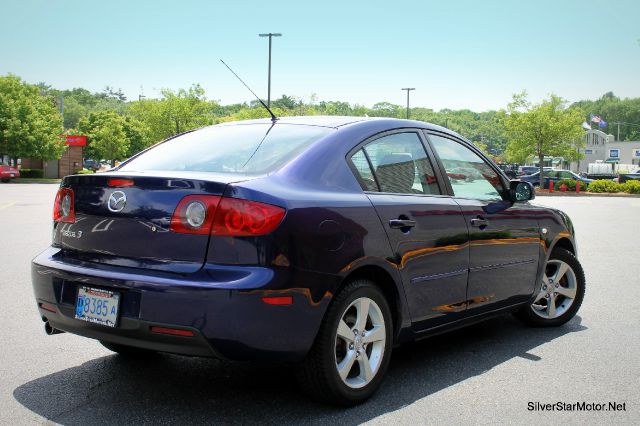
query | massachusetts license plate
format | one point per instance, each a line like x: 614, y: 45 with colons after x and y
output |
x: 97, y: 306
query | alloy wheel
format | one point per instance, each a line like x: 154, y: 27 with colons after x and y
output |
x: 360, y: 343
x: 558, y: 290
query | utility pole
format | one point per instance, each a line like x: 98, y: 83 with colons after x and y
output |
x: 270, y: 35
x: 408, y: 89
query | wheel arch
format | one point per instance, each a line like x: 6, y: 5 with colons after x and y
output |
x: 391, y: 289
x: 565, y: 243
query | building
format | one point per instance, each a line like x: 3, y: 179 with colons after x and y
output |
x: 69, y: 163
x: 603, y: 148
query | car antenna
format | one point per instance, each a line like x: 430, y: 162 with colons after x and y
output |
x: 273, y: 116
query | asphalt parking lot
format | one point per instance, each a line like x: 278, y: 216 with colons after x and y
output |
x: 485, y: 374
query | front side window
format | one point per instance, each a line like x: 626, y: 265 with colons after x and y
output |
x: 469, y: 174
x: 400, y: 164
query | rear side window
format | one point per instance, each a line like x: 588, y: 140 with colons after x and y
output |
x: 244, y: 149
x: 364, y: 172
x: 400, y: 165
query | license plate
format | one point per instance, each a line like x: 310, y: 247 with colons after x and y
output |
x: 97, y: 306
x: 12, y: 175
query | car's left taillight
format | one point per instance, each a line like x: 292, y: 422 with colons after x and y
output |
x: 63, y: 207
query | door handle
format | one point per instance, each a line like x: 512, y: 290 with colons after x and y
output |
x: 479, y: 222
x: 402, y: 223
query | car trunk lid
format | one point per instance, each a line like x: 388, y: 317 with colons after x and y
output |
x: 125, y: 219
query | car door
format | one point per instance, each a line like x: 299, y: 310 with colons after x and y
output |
x: 426, y: 230
x: 504, y: 237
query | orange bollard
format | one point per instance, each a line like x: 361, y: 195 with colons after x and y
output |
x: 550, y: 185
x: 577, y: 187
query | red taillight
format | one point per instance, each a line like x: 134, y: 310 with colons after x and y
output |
x: 120, y: 182
x: 238, y: 218
x: 184, y: 220
x: 225, y: 216
x: 64, y: 206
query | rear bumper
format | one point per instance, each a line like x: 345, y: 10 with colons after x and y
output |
x: 221, y: 304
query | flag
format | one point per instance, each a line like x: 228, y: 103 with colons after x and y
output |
x: 586, y: 126
x: 595, y: 118
x: 602, y: 124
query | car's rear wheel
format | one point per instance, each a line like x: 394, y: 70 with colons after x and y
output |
x: 561, y: 292
x: 5, y: 180
x: 352, y: 350
x: 129, y: 351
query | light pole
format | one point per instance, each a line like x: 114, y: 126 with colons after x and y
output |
x: 408, y: 89
x: 270, y: 35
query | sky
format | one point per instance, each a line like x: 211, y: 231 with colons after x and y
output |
x: 456, y: 54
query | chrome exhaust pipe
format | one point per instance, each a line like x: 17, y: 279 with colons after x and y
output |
x: 50, y: 330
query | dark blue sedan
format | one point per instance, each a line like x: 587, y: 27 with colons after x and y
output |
x: 323, y: 241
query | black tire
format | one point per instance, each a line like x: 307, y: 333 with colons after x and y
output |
x: 5, y: 180
x: 130, y: 351
x: 318, y: 373
x: 533, y: 315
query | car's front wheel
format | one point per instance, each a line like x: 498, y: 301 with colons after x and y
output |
x: 352, y: 350
x: 561, y: 292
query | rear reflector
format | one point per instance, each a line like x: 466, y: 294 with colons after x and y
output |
x: 48, y: 307
x: 120, y: 182
x: 278, y: 300
x: 172, y: 331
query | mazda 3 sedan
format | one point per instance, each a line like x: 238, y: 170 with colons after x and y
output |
x: 323, y: 241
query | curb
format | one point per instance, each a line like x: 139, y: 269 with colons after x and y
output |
x: 586, y: 194
x: 29, y: 180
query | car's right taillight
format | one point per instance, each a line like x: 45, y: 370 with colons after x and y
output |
x: 194, y: 214
x: 222, y: 216
x: 235, y: 217
x: 63, y: 206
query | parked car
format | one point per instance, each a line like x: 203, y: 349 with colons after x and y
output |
x: 555, y: 176
x: 8, y: 172
x: 623, y: 177
x: 322, y: 241
x: 529, y: 170
x: 512, y: 171
x: 90, y: 164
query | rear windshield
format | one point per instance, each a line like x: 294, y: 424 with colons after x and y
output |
x: 245, y: 149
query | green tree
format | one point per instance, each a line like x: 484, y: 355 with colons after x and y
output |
x: 106, y: 135
x: 30, y: 124
x: 138, y: 134
x: 622, y: 115
x: 544, y: 129
x: 175, y: 113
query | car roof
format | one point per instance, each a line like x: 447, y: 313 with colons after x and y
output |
x: 338, y: 121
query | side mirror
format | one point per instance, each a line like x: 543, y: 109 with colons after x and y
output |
x: 521, y: 191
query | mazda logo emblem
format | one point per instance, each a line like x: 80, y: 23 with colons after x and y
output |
x: 117, y: 201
